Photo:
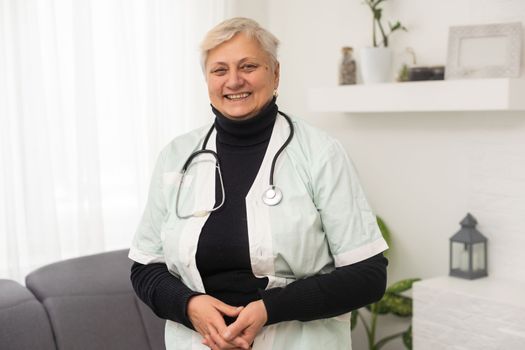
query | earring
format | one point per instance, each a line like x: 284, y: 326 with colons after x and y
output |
x: 275, y: 93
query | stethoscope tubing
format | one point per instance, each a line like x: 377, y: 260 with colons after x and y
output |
x: 288, y: 140
x: 272, y: 196
x: 275, y: 157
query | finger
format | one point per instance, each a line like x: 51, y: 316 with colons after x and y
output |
x: 235, y: 329
x: 219, y: 341
x: 241, y: 343
x: 229, y: 310
x: 249, y: 322
x: 247, y: 336
x: 217, y: 324
x: 206, y: 341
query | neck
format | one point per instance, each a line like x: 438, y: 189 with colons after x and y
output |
x: 246, y: 132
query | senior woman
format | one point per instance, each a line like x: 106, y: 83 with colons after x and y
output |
x: 256, y: 233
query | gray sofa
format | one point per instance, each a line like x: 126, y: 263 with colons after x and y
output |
x: 78, y: 304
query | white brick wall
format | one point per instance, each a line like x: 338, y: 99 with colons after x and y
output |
x: 496, y: 197
x: 457, y: 314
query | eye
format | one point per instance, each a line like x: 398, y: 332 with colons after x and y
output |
x: 249, y: 67
x: 219, y: 71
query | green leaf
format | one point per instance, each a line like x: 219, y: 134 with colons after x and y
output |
x: 398, y: 305
x: 377, y: 2
x: 381, y: 307
x: 377, y: 13
x: 407, y: 338
x: 395, y: 26
x: 385, y: 340
x: 353, y: 319
x: 385, y: 231
x: 402, y: 285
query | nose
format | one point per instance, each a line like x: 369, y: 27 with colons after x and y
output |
x: 235, y: 79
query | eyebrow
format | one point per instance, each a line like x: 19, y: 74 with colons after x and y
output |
x: 242, y: 60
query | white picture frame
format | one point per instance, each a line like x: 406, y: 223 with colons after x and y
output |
x: 484, y: 51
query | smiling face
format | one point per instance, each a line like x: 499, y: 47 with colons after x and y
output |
x: 240, y: 77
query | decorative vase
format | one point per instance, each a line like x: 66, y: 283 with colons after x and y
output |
x: 376, y: 64
x: 347, y: 68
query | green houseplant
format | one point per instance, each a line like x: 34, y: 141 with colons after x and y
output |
x: 393, y: 302
x: 376, y: 61
x: 377, y: 25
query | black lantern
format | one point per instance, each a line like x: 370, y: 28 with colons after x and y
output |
x: 468, y: 251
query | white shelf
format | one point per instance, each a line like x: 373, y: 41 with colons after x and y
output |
x: 424, y: 96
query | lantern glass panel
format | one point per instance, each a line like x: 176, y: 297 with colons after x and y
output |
x: 478, y: 257
x: 460, y: 260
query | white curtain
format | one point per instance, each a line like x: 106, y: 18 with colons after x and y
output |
x: 90, y: 91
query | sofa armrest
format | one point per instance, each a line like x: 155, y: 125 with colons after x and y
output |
x: 23, y: 321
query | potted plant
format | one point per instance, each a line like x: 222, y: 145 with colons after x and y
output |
x: 376, y: 61
x: 394, y: 302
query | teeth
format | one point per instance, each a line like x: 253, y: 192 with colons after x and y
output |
x: 238, y: 96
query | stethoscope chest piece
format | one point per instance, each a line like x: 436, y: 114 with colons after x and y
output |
x: 272, y: 196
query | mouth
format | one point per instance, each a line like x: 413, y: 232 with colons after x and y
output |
x: 238, y: 97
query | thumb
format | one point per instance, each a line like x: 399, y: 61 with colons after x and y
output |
x: 229, y: 310
x: 234, y: 329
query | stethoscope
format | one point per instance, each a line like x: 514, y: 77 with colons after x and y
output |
x: 272, y: 196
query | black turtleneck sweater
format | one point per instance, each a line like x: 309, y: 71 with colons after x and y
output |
x: 223, y: 250
x: 223, y: 256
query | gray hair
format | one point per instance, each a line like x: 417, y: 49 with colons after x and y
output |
x: 226, y: 30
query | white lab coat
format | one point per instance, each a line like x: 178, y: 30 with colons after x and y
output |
x: 323, y: 222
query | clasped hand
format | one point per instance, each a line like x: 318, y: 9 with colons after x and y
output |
x: 206, y: 313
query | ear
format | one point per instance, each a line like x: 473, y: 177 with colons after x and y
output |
x: 277, y: 74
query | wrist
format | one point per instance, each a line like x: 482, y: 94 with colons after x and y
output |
x: 262, y: 310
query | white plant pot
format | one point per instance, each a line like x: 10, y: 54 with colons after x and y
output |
x: 376, y: 64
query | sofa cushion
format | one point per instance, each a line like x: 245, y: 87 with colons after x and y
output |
x: 92, y: 305
x: 97, y: 322
x: 23, y: 320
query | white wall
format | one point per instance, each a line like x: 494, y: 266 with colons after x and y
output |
x: 422, y: 171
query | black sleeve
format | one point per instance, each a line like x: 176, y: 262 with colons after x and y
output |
x: 164, y: 293
x: 321, y: 296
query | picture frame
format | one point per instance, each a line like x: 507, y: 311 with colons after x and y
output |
x: 484, y: 51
